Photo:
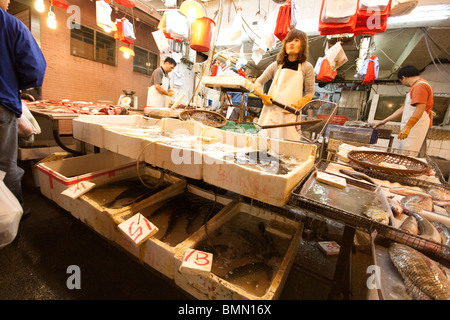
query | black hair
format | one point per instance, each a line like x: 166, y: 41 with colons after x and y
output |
x: 408, y: 71
x: 171, y: 61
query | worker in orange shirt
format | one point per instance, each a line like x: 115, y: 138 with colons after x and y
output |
x: 416, y: 112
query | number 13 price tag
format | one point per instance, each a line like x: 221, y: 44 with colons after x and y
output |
x: 195, y: 261
x: 138, y: 228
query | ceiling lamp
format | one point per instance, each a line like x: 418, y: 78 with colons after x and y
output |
x: 39, y: 5
x: 192, y: 10
x: 51, y: 20
x: 127, y: 51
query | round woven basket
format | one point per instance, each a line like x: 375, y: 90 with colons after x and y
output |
x: 209, y: 118
x: 390, y: 163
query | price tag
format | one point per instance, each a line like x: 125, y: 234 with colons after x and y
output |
x: 196, y: 261
x: 329, y: 247
x: 78, y: 189
x: 138, y: 228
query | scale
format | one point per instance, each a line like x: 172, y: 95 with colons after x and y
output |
x: 128, y: 100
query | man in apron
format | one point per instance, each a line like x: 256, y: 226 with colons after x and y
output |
x: 159, y: 84
x: 416, y: 111
x: 291, y: 75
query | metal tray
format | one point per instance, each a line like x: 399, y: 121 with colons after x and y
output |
x: 361, y: 222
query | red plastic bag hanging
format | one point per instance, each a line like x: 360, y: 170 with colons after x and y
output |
x: 283, y: 24
x: 126, y: 3
x: 119, y: 35
x: 326, y: 73
x: 370, y: 74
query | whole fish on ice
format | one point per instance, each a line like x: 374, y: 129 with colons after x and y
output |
x: 422, y: 276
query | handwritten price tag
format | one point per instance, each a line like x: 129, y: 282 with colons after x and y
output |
x: 78, y: 189
x: 196, y: 261
x: 329, y: 247
x: 138, y: 228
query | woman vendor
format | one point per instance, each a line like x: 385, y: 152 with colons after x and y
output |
x: 292, y: 84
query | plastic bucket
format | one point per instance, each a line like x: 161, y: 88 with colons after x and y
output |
x: 201, y: 34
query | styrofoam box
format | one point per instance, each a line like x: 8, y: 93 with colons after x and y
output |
x: 102, y: 219
x: 155, y: 253
x: 266, y: 187
x: 184, y: 161
x: 90, y: 128
x: 212, y: 287
x: 56, y: 176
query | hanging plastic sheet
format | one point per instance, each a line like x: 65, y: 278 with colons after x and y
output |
x: 372, y: 17
x: 283, y: 24
x: 120, y: 32
x: 161, y: 40
x: 236, y: 27
x: 103, y: 14
x: 177, y: 25
x: 326, y: 72
x: 338, y: 16
x: 369, y: 70
x: 336, y: 55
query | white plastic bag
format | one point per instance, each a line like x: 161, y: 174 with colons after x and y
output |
x: 236, y: 27
x: 402, y: 7
x: 336, y: 56
x: 161, y: 40
x: 10, y: 214
x: 103, y: 14
x: 128, y: 30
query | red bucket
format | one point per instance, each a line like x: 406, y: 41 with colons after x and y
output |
x: 201, y: 34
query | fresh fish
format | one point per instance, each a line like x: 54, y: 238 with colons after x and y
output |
x: 422, y: 276
x: 395, y: 205
x: 438, y: 194
x: 410, y: 225
x: 133, y: 194
x: 376, y: 213
x: 443, y: 231
x: 357, y: 175
x: 426, y: 229
x: 408, y: 192
x: 417, y: 203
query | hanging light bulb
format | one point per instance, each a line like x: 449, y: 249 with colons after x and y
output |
x: 51, y: 20
x: 39, y: 5
x: 127, y: 51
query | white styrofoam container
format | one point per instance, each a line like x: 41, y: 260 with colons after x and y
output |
x: 103, y: 220
x: 210, y: 286
x: 90, y: 128
x: 57, y: 176
x: 156, y: 253
x: 266, y: 187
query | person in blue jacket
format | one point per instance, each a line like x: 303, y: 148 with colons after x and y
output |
x: 22, y: 66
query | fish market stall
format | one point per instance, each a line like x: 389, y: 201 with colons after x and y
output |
x: 57, y: 116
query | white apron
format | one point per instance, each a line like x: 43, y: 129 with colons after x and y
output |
x: 418, y: 132
x: 156, y: 99
x: 286, y: 88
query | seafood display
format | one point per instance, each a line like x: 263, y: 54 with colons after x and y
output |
x: 79, y: 107
x: 353, y: 199
x: 246, y: 252
x: 120, y: 194
x: 423, y: 278
x: 181, y: 216
x: 376, y: 213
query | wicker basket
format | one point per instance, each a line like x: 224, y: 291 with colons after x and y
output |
x: 209, y: 118
x: 375, y: 160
